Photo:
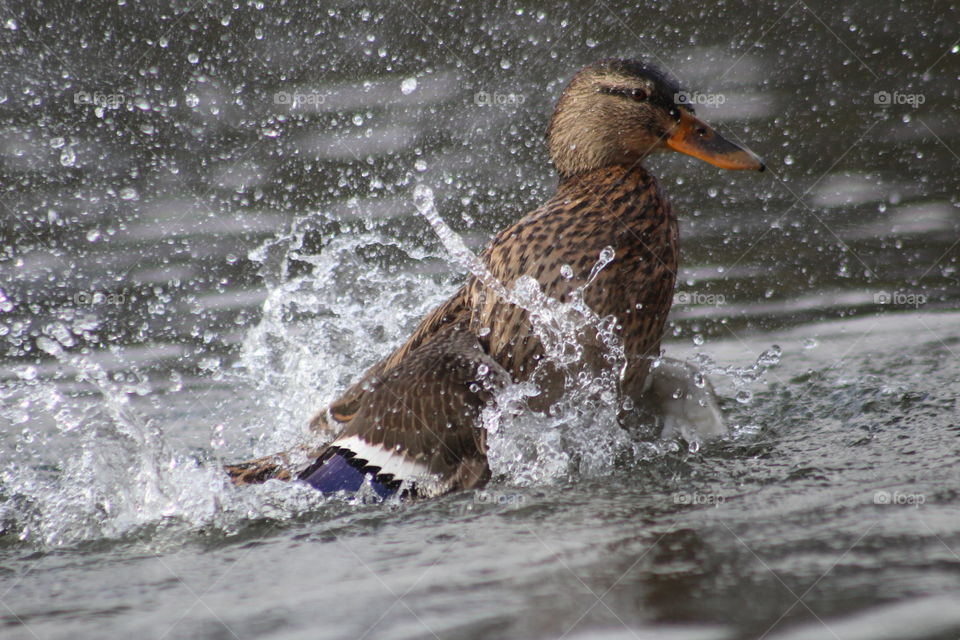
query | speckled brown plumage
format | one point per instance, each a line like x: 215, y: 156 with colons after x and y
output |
x: 423, y: 401
x: 620, y: 207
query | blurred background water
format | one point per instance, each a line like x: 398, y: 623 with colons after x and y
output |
x: 208, y: 231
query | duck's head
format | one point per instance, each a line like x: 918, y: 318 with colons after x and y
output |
x: 620, y: 111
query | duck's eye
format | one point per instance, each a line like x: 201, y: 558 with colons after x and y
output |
x: 637, y: 94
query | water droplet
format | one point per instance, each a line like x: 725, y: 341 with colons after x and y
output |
x: 420, y: 166
x: 225, y: 21
x: 191, y: 100
x: 810, y: 343
x: 712, y: 192
x: 697, y: 339
x: 566, y: 271
x: 788, y: 160
x: 28, y: 372
x: 176, y: 380
x: 591, y: 43
x: 193, y: 58
x: 770, y: 357
x: 57, y: 142
x: 68, y: 157
x: 93, y: 235
x: 744, y: 396
x: 217, y: 441
x: 129, y: 193
x: 11, y: 24
x: 408, y: 86
x: 49, y: 346
x: 505, y: 64
x: 358, y: 119
x: 423, y: 198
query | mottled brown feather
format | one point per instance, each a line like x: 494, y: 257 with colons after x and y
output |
x: 426, y: 407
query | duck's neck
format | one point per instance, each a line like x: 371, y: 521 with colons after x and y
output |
x: 611, y: 173
x: 627, y: 190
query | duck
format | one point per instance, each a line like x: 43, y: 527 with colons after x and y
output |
x: 410, y: 425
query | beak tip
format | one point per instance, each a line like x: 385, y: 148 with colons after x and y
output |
x: 762, y: 168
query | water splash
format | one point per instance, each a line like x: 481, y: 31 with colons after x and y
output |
x: 742, y: 377
x: 123, y: 473
x: 116, y: 473
x: 315, y: 336
x: 317, y: 333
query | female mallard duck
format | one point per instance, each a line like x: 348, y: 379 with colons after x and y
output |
x: 410, y: 423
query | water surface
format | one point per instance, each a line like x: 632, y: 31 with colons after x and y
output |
x: 208, y: 231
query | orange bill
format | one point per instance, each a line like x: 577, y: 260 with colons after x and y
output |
x: 696, y: 138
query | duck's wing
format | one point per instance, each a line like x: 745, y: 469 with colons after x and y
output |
x: 449, y: 314
x: 415, y: 427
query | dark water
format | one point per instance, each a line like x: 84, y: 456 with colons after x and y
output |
x: 191, y: 264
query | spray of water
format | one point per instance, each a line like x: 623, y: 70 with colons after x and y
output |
x: 118, y: 475
x: 315, y: 336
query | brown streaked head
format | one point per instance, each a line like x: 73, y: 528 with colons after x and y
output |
x: 619, y: 111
